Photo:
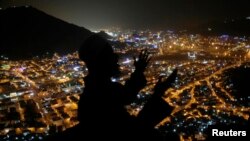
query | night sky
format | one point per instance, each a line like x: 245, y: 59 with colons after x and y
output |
x: 152, y: 14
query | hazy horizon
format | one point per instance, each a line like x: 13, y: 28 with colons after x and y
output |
x: 157, y: 14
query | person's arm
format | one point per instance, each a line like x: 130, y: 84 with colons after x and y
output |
x: 137, y: 79
x: 162, y: 85
x: 156, y: 109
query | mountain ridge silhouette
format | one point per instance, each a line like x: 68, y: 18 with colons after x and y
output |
x: 28, y: 32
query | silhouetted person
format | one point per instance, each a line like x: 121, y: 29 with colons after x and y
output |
x: 101, y: 109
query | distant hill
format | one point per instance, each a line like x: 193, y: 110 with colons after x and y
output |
x: 234, y: 27
x: 27, y: 32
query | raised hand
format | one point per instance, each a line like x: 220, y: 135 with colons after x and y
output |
x: 142, y: 62
x: 162, y: 85
x: 156, y: 109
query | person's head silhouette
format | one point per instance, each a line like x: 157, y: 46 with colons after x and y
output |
x: 102, y: 64
x: 99, y: 57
